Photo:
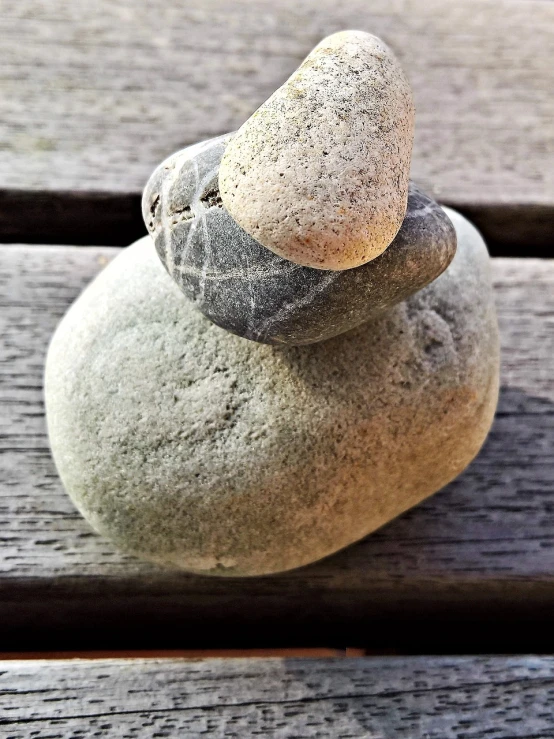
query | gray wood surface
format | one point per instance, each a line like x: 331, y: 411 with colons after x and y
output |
x: 393, y: 698
x: 481, y: 550
x: 94, y: 93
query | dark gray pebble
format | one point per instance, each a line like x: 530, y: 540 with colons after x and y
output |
x: 243, y: 287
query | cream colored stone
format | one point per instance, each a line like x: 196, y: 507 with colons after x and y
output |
x: 319, y: 173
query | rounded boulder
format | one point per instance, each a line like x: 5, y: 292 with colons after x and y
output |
x: 191, y: 447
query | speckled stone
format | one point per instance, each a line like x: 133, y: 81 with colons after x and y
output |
x: 319, y: 173
x: 247, y: 289
x: 193, y: 448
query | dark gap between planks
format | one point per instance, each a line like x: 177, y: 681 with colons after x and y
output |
x: 114, y: 219
x: 496, y: 631
x: 299, y: 652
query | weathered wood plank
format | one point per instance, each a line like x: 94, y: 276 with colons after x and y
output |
x: 441, y: 698
x: 94, y: 94
x: 482, y: 549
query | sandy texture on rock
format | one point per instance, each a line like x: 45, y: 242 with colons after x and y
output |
x: 192, y: 447
x: 319, y: 173
x: 247, y: 289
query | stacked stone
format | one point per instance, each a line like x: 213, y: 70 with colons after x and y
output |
x: 191, y: 447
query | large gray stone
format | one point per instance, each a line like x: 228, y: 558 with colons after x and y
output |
x: 319, y: 173
x: 189, y: 446
x: 247, y: 289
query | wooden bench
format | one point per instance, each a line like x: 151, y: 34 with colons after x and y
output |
x: 92, y: 96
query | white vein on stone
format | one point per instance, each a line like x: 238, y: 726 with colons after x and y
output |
x: 250, y: 273
x: 286, y: 309
x: 420, y: 212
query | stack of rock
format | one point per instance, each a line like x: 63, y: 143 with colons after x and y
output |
x: 189, y: 446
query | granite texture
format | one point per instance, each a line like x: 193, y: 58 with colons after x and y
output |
x: 247, y: 289
x: 191, y: 447
x: 319, y: 173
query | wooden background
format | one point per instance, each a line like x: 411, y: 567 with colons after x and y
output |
x: 93, y: 94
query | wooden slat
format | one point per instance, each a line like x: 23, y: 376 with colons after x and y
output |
x: 94, y: 93
x: 396, y: 698
x: 480, y: 552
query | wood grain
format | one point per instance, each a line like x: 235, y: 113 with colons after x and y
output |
x: 446, y: 698
x: 474, y: 564
x: 94, y: 93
